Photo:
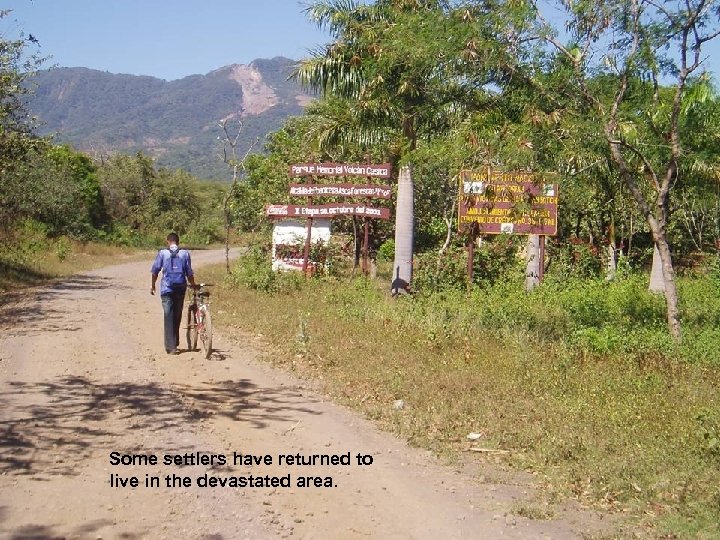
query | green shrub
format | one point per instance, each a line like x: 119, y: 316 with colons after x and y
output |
x: 123, y: 235
x: 701, y: 344
x: 713, y: 269
x: 583, y: 316
x: 386, y: 252
x: 494, y: 260
x: 574, y: 259
x: 28, y: 243
x: 589, y: 316
x: 700, y: 300
x: 62, y: 248
x: 497, y: 259
x: 204, y: 233
x: 254, y: 271
x: 709, y: 432
x: 433, y: 272
x: 326, y: 257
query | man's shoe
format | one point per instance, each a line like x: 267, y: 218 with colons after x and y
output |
x: 174, y: 351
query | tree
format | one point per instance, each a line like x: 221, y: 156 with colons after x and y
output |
x: 17, y: 67
x: 615, y: 60
x: 238, y: 167
x: 390, y: 77
x: 698, y: 201
x: 393, y: 71
x: 72, y: 177
x: 172, y: 204
x: 127, y: 183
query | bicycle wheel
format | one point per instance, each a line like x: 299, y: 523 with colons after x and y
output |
x: 192, y: 330
x: 205, y: 330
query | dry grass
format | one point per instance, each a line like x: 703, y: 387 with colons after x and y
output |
x: 618, y: 434
x: 60, y: 259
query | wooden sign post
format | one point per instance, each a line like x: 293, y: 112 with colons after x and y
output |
x: 330, y: 210
x: 499, y: 202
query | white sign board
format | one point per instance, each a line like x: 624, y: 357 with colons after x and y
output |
x: 292, y: 232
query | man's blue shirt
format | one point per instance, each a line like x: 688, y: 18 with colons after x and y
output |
x: 163, y: 256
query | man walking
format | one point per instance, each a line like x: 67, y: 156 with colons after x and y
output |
x: 177, y: 271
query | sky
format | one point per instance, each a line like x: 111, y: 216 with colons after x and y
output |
x: 168, y: 39
x: 171, y: 39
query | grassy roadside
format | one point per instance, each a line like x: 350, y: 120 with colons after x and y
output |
x: 37, y: 259
x: 633, y: 434
x: 59, y: 258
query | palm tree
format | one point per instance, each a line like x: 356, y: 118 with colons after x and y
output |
x: 372, y: 96
x: 393, y: 63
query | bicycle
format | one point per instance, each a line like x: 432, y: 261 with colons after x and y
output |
x: 199, y: 322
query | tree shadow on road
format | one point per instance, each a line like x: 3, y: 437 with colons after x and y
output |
x: 45, y: 532
x: 231, y: 399
x: 88, y: 530
x: 50, y: 428
x: 27, y: 312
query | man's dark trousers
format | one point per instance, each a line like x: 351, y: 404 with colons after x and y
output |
x: 172, y: 304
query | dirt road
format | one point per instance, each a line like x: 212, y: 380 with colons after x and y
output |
x: 83, y: 373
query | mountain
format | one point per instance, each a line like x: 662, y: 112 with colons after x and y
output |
x: 175, y: 122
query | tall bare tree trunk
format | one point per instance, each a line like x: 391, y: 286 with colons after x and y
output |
x: 404, y: 217
x: 657, y: 277
x: 611, y: 268
x: 532, y: 270
x: 236, y: 165
x: 671, y: 296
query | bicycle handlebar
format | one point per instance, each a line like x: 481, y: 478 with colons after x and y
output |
x: 201, y: 285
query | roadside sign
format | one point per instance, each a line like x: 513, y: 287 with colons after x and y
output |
x: 498, y: 202
x: 325, y: 211
x: 383, y: 170
x: 341, y: 190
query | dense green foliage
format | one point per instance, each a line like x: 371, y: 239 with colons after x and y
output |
x: 589, y: 317
x: 124, y: 200
x: 142, y: 202
x: 254, y: 271
x: 637, y: 162
x: 54, y: 198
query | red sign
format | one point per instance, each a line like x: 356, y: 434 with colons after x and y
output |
x: 499, y: 202
x: 341, y: 169
x: 325, y: 211
x: 341, y: 190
